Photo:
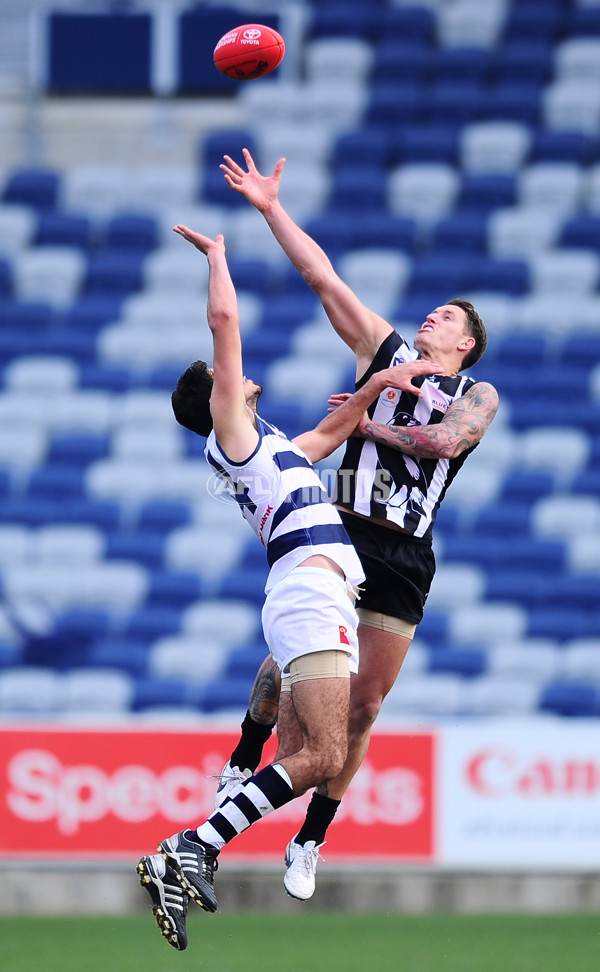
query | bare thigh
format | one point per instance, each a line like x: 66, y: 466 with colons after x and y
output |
x: 321, y: 712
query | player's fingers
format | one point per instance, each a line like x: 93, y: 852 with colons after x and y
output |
x: 233, y: 165
x: 231, y: 182
x: 249, y: 160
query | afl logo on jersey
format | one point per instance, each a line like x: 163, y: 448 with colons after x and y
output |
x: 390, y: 397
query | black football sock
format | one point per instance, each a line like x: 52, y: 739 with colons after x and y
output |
x: 321, y: 811
x: 248, y: 752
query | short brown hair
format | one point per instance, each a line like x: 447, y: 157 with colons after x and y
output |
x: 191, y: 399
x: 475, y: 329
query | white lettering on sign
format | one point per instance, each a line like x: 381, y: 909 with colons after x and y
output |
x: 42, y: 789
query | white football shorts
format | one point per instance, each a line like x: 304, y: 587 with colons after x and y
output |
x: 310, y: 610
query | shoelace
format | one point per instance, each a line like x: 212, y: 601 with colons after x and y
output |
x: 227, y: 777
x: 308, y: 858
x: 209, y: 863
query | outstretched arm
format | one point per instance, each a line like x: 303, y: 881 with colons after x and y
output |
x: 233, y: 421
x: 462, y: 427
x: 361, y: 329
x: 340, y: 423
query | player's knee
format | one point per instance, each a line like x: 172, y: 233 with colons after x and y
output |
x: 333, y: 765
x: 363, y: 713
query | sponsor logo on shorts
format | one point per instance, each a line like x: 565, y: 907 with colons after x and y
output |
x: 343, y: 635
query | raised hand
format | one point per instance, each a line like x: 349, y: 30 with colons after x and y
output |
x: 258, y: 189
x: 401, y: 376
x: 202, y: 243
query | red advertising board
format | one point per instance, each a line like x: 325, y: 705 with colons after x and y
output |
x: 106, y: 793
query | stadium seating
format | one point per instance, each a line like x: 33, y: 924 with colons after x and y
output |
x: 433, y: 150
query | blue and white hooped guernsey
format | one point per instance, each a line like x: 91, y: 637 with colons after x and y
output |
x: 282, y: 498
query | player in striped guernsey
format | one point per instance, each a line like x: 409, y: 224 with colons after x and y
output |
x: 390, y: 484
x: 309, y: 618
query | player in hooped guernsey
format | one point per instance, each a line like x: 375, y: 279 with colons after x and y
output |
x: 285, y: 503
x: 309, y: 618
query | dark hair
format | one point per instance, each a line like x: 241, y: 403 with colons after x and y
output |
x: 475, y: 329
x: 191, y: 397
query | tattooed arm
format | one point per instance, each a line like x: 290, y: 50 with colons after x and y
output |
x: 462, y: 427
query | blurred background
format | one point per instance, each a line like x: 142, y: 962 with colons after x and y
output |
x: 436, y: 148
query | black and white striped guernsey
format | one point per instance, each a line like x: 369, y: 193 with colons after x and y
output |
x: 285, y: 503
x: 382, y: 482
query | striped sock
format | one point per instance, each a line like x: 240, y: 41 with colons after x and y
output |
x: 257, y: 797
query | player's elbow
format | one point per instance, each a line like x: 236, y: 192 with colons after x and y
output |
x: 221, y: 320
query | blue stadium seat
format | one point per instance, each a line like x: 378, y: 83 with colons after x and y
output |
x: 176, y: 588
x: 461, y: 64
x: 116, y: 378
x: 77, y: 448
x: 351, y: 19
x: 500, y: 276
x: 487, y: 191
x: 26, y: 316
x: 404, y: 22
x: 129, y: 656
x: 228, y: 693
x: 140, y: 545
x: 6, y: 279
x: 152, y: 622
x: 366, y: 143
x: 402, y: 58
x: 580, y: 349
x: 515, y: 101
x: 64, y: 229
x: 381, y: 229
x: 519, y: 585
x: 213, y: 145
x: 214, y: 191
x: 245, y: 585
x: 581, y: 231
x: 503, y: 519
x: 38, y: 188
x: 526, y: 485
x: 394, y: 102
x: 468, y: 662
x: 56, y: 482
x: 464, y: 230
x: 116, y: 273
x: 424, y: 143
x: 91, y: 312
x: 524, y: 60
x: 571, y: 699
x: 535, y: 20
x: 442, y: 273
x: 455, y: 102
x: 522, y: 349
x: 562, y: 623
x: 134, y: 232
x: 433, y: 629
x: 586, y: 482
x: 358, y: 186
x: 155, y: 692
x: 560, y: 146
x: 583, y: 21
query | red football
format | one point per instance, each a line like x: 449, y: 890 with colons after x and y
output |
x: 249, y: 52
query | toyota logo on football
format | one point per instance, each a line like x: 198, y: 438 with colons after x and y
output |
x: 252, y: 34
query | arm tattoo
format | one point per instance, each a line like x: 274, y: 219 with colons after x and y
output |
x: 462, y: 427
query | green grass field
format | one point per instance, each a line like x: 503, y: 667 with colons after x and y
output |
x: 307, y: 943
